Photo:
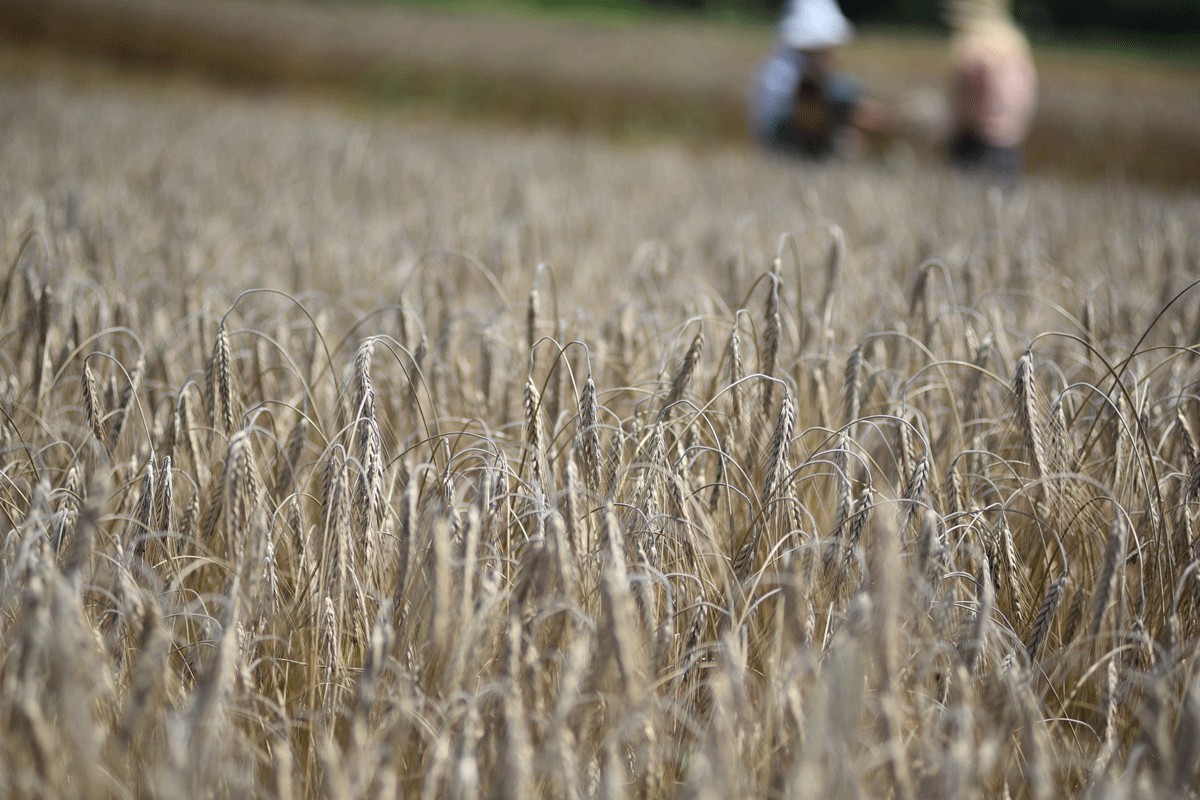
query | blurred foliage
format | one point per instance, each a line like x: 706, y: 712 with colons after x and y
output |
x: 1140, y: 16
x: 1174, y: 18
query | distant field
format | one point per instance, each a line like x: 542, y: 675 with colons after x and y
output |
x: 1100, y: 115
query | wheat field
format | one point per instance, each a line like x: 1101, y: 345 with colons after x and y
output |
x: 358, y: 456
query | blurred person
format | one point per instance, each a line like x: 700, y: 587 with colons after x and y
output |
x: 802, y: 104
x: 993, y: 88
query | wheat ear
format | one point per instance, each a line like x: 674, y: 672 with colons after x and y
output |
x: 1045, y: 616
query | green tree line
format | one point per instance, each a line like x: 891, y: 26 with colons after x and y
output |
x: 1169, y: 17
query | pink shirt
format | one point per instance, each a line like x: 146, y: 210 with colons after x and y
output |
x: 994, y: 88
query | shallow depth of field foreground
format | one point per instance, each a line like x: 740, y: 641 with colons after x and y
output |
x: 771, y: 482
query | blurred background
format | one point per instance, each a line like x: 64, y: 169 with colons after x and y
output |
x: 1120, y: 79
x: 1111, y: 19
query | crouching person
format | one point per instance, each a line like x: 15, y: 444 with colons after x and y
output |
x: 993, y: 88
x: 802, y: 104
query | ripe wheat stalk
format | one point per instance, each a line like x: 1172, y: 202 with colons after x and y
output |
x: 411, y: 516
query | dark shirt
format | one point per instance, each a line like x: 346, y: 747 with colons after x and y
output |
x: 795, y: 109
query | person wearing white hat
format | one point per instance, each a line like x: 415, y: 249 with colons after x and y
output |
x: 801, y: 104
x: 993, y: 90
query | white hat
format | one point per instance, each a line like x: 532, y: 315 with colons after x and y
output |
x: 815, y: 25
